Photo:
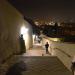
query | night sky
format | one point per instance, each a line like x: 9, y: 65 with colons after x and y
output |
x: 47, y: 9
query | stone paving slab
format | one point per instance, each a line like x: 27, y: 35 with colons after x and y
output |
x: 38, y: 65
x: 44, y: 66
x: 33, y: 63
x: 10, y: 62
x: 37, y: 50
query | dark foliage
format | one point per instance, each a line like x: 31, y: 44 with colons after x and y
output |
x: 36, y: 29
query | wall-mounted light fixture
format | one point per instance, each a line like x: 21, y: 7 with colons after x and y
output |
x: 24, y: 30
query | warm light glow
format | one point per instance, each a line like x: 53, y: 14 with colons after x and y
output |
x: 34, y: 38
x: 51, y: 23
x: 24, y: 30
x: 55, y: 39
x: 36, y: 23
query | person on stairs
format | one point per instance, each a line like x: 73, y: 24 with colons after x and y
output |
x: 46, y: 47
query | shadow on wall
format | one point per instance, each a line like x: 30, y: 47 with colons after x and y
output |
x: 17, y: 69
x: 22, y: 44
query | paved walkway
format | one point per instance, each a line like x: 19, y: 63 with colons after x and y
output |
x: 34, y: 63
x: 37, y: 50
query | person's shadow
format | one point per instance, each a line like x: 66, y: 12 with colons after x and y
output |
x: 17, y: 69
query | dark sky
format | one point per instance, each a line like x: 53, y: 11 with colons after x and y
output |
x: 47, y: 9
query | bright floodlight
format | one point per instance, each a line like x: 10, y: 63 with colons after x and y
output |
x: 24, y: 30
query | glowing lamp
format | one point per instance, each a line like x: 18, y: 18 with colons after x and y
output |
x: 24, y: 30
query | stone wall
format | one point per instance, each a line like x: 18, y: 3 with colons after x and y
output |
x: 11, y: 22
x: 64, y: 51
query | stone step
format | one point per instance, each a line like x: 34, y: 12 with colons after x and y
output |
x: 44, y: 66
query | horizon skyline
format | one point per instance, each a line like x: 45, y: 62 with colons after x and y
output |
x: 46, y: 9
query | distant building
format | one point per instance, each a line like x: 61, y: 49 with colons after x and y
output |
x: 68, y: 28
x: 67, y: 24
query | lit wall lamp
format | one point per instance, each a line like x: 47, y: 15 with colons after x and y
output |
x: 24, y: 32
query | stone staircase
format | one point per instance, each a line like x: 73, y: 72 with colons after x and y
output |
x: 34, y: 63
x: 46, y: 65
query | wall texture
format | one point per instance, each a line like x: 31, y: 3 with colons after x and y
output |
x: 11, y: 22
